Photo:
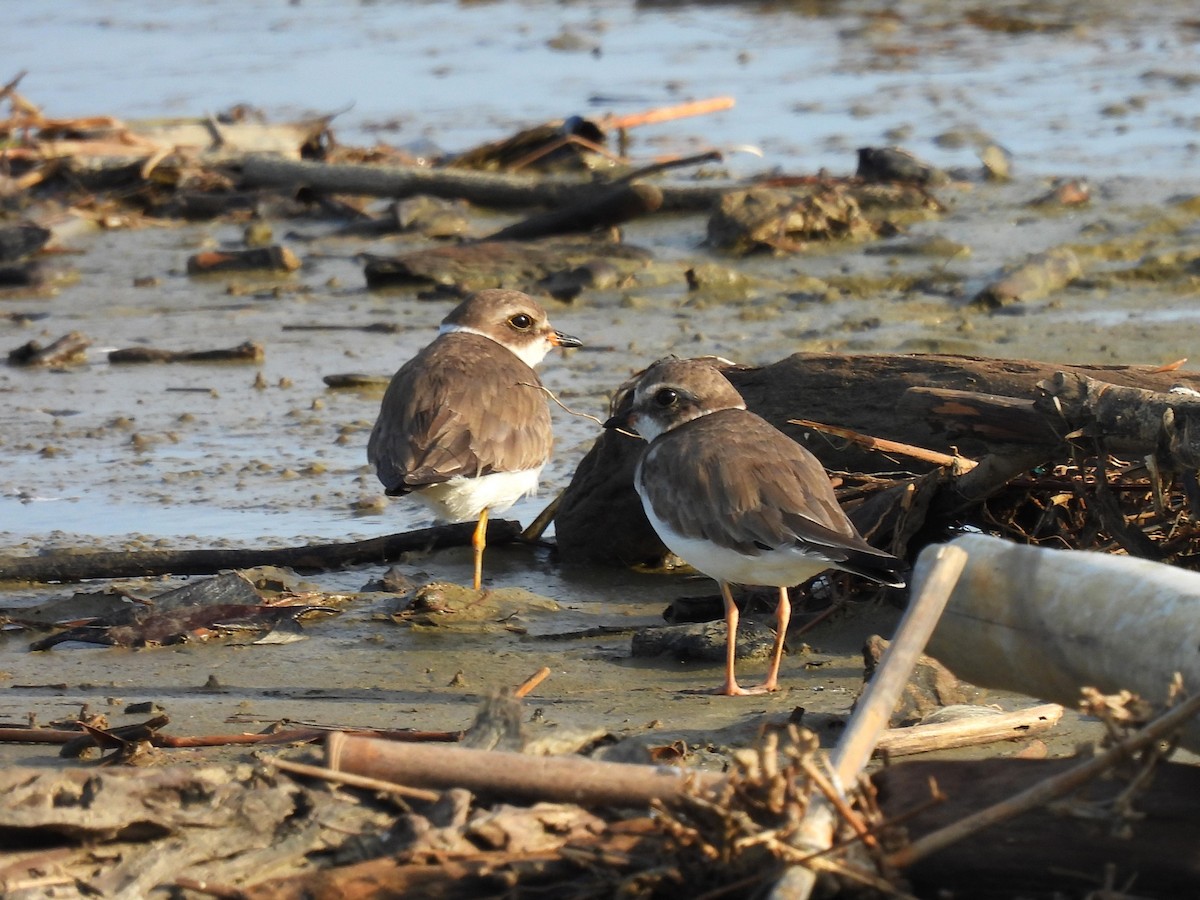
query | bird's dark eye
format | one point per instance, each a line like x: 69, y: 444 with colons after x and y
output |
x: 665, y: 397
x: 521, y: 322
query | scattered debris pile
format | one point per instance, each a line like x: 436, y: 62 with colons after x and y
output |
x: 289, y: 829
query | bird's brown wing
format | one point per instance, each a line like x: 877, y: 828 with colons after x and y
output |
x: 732, y: 478
x: 463, y: 406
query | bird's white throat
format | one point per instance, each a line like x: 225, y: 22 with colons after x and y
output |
x: 530, y: 351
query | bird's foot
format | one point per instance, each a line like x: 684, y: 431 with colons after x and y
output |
x: 733, y: 689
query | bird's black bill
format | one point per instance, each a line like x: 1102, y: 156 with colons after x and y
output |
x: 621, y: 424
x: 566, y: 340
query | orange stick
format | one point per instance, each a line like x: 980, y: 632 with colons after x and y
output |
x: 532, y: 681
x: 668, y: 113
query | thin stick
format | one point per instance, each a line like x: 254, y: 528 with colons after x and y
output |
x: 959, y: 463
x: 676, y: 163
x: 549, y: 393
x: 1171, y: 366
x: 838, y: 802
x: 353, y: 780
x: 668, y: 113
x: 1047, y: 790
x: 531, y: 682
x: 879, y: 699
x: 534, y: 531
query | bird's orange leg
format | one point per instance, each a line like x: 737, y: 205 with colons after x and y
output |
x: 783, y: 615
x: 478, y: 542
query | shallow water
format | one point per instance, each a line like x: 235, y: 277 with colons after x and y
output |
x: 1100, y: 88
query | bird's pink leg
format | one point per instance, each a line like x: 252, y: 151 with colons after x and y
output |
x: 783, y: 615
x: 730, y: 687
x: 478, y: 542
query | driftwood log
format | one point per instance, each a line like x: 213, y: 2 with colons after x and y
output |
x: 985, y: 409
x: 493, y: 189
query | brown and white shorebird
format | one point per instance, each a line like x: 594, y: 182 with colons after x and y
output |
x: 464, y: 424
x: 738, y: 499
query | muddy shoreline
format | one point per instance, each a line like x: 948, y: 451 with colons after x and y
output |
x: 272, y: 443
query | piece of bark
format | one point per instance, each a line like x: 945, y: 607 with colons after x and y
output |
x: 69, y: 349
x: 969, y: 731
x: 1058, y: 851
x: 1040, y: 275
x: 274, y: 258
x: 313, y: 557
x: 614, y: 207
x: 162, y: 629
x: 601, y: 517
x: 247, y: 351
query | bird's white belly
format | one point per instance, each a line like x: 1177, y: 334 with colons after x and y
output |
x: 462, y: 499
x: 782, y: 567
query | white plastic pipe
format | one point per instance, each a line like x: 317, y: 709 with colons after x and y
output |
x: 1049, y: 622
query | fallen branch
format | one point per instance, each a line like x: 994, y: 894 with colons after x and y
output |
x: 312, y: 557
x: 565, y: 779
x: 1010, y: 726
x: 491, y: 189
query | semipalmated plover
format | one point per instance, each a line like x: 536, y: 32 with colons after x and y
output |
x: 464, y: 424
x: 738, y: 499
